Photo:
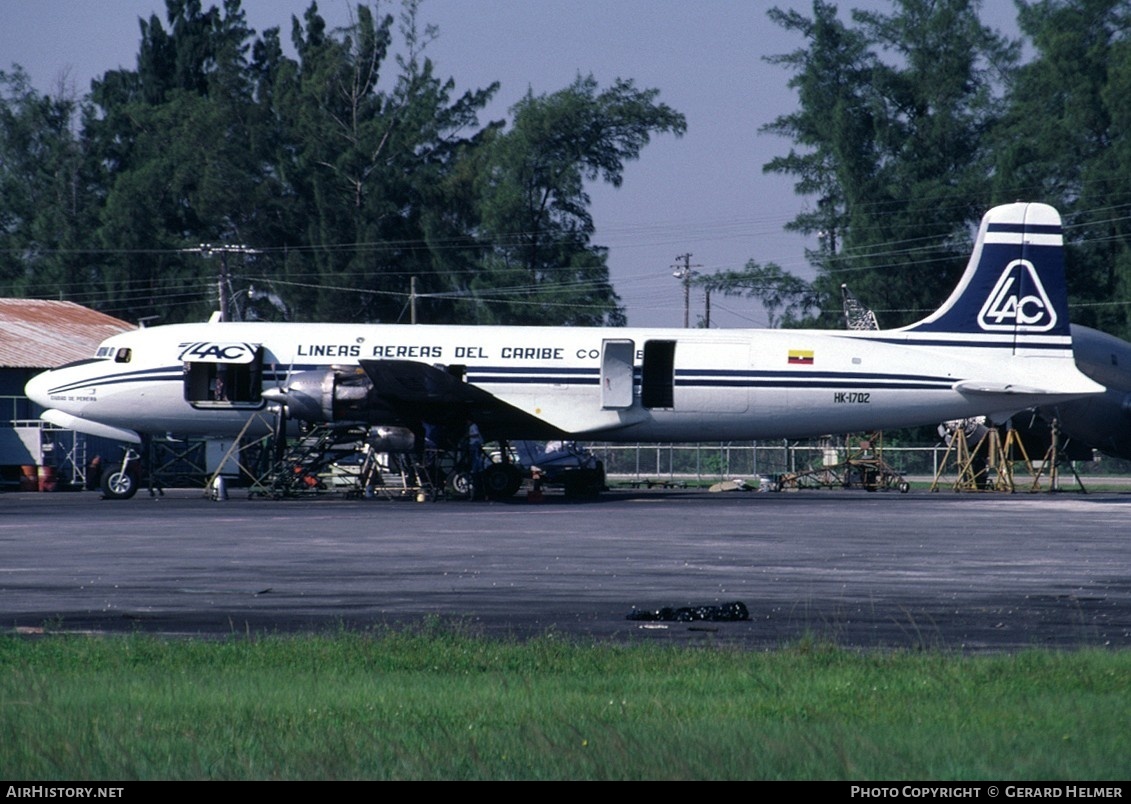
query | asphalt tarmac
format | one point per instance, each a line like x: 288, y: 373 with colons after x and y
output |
x: 880, y: 570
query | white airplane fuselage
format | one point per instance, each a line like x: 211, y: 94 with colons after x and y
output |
x: 1000, y: 344
x: 727, y: 384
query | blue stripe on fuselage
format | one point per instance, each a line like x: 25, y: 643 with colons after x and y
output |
x: 164, y: 373
x: 510, y: 375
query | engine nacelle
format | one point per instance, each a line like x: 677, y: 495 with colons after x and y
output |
x: 331, y: 396
x: 391, y: 439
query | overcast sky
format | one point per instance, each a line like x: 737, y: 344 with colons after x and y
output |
x: 703, y: 194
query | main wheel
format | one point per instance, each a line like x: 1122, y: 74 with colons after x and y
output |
x: 460, y: 484
x: 501, y: 481
x: 118, y: 485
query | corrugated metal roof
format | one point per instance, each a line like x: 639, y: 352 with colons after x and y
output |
x: 38, y: 333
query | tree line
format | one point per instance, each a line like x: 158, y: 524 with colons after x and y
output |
x: 353, y: 166
x: 911, y: 124
x: 348, y: 169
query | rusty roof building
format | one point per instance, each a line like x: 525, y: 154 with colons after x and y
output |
x: 40, y: 333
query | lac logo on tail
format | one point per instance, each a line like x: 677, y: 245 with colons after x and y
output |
x: 1007, y: 310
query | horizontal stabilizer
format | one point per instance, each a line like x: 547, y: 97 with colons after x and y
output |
x: 998, y: 388
x: 973, y: 387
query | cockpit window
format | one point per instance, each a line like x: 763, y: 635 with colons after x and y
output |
x: 124, y: 354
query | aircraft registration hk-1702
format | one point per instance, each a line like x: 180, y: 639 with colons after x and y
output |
x: 999, y: 344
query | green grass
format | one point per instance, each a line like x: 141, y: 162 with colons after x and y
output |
x: 447, y: 706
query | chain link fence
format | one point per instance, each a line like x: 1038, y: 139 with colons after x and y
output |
x: 710, y: 462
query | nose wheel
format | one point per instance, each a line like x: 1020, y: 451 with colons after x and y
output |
x: 118, y: 484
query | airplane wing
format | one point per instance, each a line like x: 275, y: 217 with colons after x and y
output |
x: 420, y: 391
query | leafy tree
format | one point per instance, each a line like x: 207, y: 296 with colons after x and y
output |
x: 47, y: 197
x: 177, y: 144
x: 833, y: 124
x: 534, y: 208
x: 365, y: 161
x: 893, y: 116
x: 1065, y: 141
x: 776, y: 288
x: 351, y: 168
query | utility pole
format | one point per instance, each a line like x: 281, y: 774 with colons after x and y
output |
x: 224, y: 290
x: 224, y: 280
x: 411, y: 300
x: 684, y: 273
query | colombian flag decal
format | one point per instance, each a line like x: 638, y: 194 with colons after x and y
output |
x: 801, y: 357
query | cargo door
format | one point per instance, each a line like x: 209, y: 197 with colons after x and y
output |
x: 616, y: 374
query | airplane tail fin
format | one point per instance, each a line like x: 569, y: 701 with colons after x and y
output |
x: 1012, y: 301
x: 1013, y: 293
